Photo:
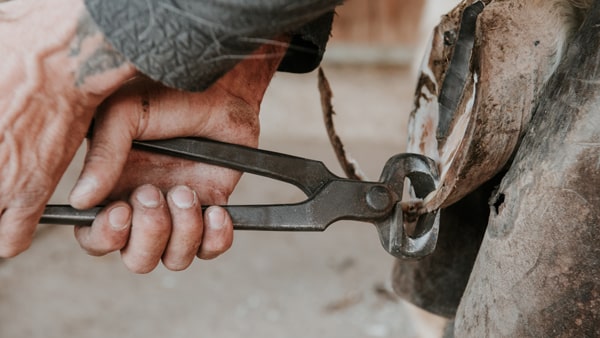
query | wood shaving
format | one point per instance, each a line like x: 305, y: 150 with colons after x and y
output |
x: 343, y: 303
x: 348, y: 164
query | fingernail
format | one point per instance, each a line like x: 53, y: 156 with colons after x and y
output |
x: 183, y: 197
x: 119, y: 218
x: 216, y: 218
x: 148, y: 196
x: 84, y: 186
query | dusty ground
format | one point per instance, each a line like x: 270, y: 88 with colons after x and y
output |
x: 331, y: 284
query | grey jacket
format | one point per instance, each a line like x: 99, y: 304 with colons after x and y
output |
x: 189, y: 44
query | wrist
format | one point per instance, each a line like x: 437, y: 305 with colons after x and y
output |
x: 252, y: 76
x: 99, y: 69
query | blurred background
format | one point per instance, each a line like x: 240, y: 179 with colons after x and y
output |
x: 382, y: 32
x: 331, y: 284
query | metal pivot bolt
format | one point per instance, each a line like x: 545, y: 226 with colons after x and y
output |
x: 379, y: 198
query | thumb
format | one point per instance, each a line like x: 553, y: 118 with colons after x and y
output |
x: 107, y: 154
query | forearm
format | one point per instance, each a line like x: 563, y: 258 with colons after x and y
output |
x: 189, y: 44
x: 74, y: 53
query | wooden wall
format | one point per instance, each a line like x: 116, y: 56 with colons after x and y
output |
x: 378, y: 22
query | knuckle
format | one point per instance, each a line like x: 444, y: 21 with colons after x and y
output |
x: 17, y: 229
x: 189, y: 226
x: 100, y: 152
x: 176, y: 265
x: 114, y: 241
x: 101, y: 248
x: 140, y: 268
x: 93, y: 251
x: 226, y: 246
x: 155, y: 230
x: 140, y: 261
x: 13, y: 249
x: 220, y: 195
x: 101, y: 241
x: 208, y: 255
x: 214, y: 250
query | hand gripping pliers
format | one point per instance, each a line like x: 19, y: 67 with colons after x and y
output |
x: 330, y: 198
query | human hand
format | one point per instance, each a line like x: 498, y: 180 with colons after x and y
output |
x: 55, y: 69
x: 163, y: 219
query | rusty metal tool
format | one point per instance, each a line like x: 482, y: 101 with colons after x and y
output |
x: 330, y: 198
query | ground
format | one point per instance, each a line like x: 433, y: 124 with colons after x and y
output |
x: 331, y: 284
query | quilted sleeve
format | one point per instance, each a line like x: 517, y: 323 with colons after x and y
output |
x: 189, y: 44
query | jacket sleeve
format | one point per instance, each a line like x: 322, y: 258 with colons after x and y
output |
x: 189, y: 44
